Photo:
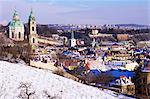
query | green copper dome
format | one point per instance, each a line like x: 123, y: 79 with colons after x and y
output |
x: 16, y: 21
x: 16, y: 24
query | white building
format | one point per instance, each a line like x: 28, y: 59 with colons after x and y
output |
x: 95, y: 31
x: 72, y: 40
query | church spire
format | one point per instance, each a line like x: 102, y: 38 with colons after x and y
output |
x: 72, y: 40
x: 15, y: 16
x: 31, y: 16
x: 72, y: 34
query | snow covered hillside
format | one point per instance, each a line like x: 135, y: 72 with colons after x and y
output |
x: 19, y: 81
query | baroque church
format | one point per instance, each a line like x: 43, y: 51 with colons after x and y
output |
x: 16, y: 29
x: 17, y: 32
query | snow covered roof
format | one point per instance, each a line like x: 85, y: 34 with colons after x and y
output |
x: 123, y: 80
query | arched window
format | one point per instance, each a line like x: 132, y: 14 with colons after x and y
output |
x: 32, y: 28
x: 12, y: 34
x: 33, y: 40
x: 19, y: 35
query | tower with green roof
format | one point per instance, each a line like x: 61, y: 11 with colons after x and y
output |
x: 16, y: 28
x: 33, y: 36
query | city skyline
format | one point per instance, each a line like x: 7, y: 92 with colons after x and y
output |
x: 78, y: 11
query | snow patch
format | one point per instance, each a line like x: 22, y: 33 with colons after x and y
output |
x: 42, y: 84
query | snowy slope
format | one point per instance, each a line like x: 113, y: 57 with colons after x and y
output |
x: 42, y: 82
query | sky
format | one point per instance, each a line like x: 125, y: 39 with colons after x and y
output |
x: 97, y: 12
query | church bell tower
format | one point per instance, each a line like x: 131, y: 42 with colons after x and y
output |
x: 33, y: 36
x: 72, y: 40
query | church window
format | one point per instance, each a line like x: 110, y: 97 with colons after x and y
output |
x: 12, y: 34
x: 19, y: 35
x: 33, y: 40
x: 32, y: 28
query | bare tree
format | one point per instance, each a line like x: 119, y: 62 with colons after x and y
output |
x: 26, y: 92
x: 48, y: 96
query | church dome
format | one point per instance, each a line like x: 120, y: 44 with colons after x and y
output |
x: 16, y: 24
x: 16, y: 21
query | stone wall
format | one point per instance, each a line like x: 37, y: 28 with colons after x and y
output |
x: 39, y: 64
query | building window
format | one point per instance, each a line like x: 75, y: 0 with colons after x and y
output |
x: 12, y: 34
x: 19, y: 35
x: 33, y: 40
x: 32, y: 28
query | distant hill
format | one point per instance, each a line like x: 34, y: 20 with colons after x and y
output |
x: 131, y: 25
x: 43, y: 30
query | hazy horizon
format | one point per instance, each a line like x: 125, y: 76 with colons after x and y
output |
x: 97, y: 12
